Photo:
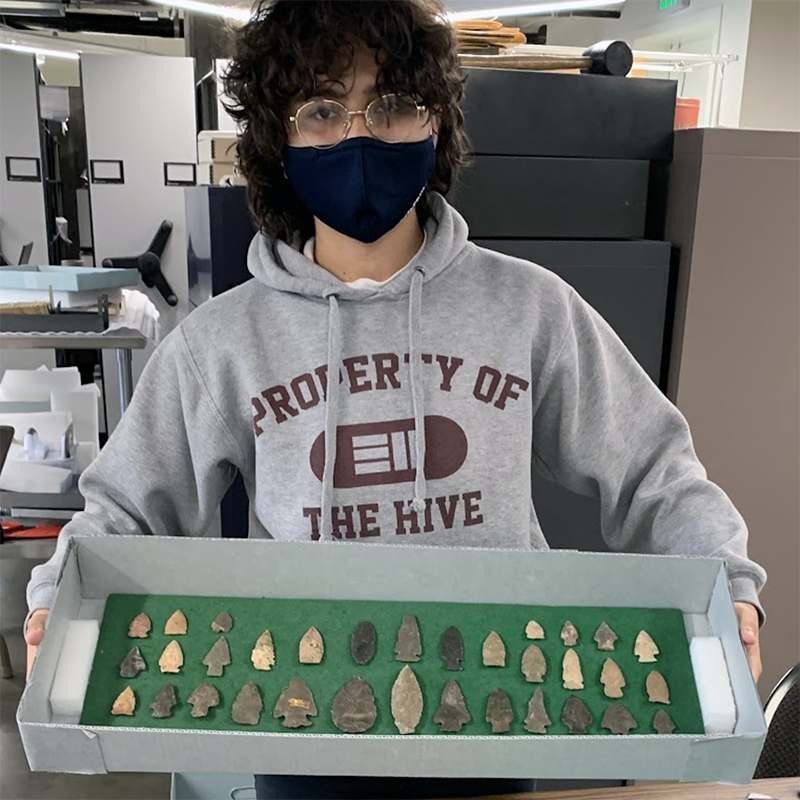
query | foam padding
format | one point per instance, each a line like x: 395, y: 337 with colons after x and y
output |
x: 713, y: 684
x: 74, y: 667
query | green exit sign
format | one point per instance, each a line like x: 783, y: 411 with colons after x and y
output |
x: 672, y: 5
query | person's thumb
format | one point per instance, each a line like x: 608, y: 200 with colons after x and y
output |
x: 35, y: 630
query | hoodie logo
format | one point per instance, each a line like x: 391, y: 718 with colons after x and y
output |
x: 380, y: 453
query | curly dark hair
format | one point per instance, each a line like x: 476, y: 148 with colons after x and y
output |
x: 287, y: 44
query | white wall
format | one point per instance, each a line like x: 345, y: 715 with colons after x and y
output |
x: 771, y: 96
x: 641, y: 20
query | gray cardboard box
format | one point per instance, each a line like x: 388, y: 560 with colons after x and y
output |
x: 98, y: 566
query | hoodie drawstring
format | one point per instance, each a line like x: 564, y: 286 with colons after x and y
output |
x: 331, y: 414
x: 417, y: 395
x: 332, y: 400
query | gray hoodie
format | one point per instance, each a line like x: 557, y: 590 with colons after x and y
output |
x: 470, y: 362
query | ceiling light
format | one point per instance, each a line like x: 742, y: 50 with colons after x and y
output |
x: 39, y: 51
x: 53, y: 8
x: 228, y: 12
x: 530, y: 9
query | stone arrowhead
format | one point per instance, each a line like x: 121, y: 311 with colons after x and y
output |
x: 296, y: 704
x: 533, y: 630
x: 172, y: 658
x: 537, y: 720
x: 657, y: 689
x: 605, y: 637
x: 164, y: 702
x: 222, y: 623
x: 452, y: 714
x: 263, y: 655
x: 499, y: 712
x: 576, y: 716
x: 218, y: 657
x: 612, y: 679
x: 409, y: 644
x: 534, y: 666
x: 205, y: 696
x: 645, y: 649
x: 312, y: 648
x: 353, y: 709
x: 132, y: 664
x: 662, y: 722
x: 176, y: 624
x: 140, y: 626
x: 451, y: 648
x: 406, y: 701
x: 247, y: 705
x: 618, y: 719
x: 363, y: 641
x: 571, y: 671
x: 569, y: 634
x: 494, y: 651
x: 125, y: 703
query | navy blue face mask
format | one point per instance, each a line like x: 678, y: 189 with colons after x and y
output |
x: 362, y: 187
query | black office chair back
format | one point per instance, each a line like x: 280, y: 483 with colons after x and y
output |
x: 780, y: 757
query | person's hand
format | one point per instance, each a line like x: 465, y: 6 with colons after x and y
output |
x: 34, y: 635
x: 748, y: 630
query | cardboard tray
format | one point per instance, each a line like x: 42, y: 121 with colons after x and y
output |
x: 66, y: 279
x: 96, y: 567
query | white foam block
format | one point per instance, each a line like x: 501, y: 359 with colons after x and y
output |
x: 713, y: 684
x: 74, y: 666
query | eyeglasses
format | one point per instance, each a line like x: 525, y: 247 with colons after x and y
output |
x: 392, y: 118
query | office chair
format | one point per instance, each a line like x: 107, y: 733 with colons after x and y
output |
x: 780, y: 757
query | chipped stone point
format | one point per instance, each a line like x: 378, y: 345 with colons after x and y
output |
x: 218, y: 657
x: 533, y: 630
x: 605, y: 637
x: 494, y: 650
x: 452, y: 714
x: 407, y: 702
x: 132, y: 664
x: 296, y: 704
x: 263, y: 655
x: 537, y: 720
x: 409, y: 644
x: 569, y: 634
x: 222, y: 623
x: 176, y: 624
x: 205, y: 696
x: 612, y: 679
x: 534, y: 665
x: 645, y: 649
x: 312, y: 648
x: 164, y: 702
x: 353, y: 709
x: 140, y: 626
x: 657, y: 689
x: 172, y: 658
x: 571, y: 671
x: 125, y: 704
x: 247, y: 706
x: 499, y: 712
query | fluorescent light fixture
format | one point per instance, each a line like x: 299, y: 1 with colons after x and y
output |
x: 530, y: 9
x: 228, y: 12
x: 53, y: 8
x: 39, y: 51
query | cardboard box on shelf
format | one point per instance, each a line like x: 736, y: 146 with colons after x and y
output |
x: 217, y: 146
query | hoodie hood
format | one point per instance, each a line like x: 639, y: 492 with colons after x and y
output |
x: 283, y: 266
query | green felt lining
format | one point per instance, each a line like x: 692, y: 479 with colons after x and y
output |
x: 289, y: 619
